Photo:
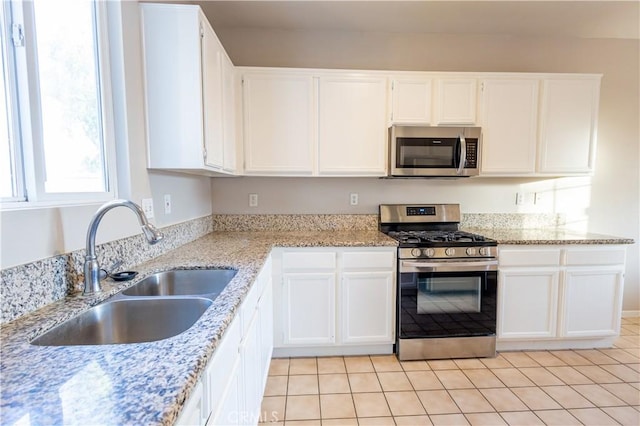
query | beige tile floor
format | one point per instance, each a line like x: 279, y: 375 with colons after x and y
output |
x: 573, y: 387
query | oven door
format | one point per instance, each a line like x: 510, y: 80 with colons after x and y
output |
x: 447, y: 299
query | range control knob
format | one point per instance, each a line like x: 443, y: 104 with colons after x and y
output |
x: 484, y: 251
x: 429, y: 252
x: 471, y: 251
x: 450, y: 251
x: 416, y: 252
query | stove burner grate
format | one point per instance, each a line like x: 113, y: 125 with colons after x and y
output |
x: 415, y: 237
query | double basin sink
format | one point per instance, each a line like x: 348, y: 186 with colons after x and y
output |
x: 160, y: 306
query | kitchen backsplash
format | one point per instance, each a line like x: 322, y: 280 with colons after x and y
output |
x: 25, y: 288
x: 512, y: 220
x: 330, y: 222
x: 294, y: 222
x: 28, y: 287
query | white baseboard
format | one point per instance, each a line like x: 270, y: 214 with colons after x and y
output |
x: 552, y: 345
x: 332, y: 351
x: 630, y: 314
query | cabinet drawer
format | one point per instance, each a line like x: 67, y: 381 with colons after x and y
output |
x: 308, y: 260
x: 369, y: 260
x: 598, y: 256
x: 249, y: 305
x: 545, y: 257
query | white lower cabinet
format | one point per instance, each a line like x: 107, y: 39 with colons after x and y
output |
x: 528, y: 303
x: 230, y: 390
x: 559, y: 297
x: 592, y: 300
x: 332, y: 301
x: 362, y: 293
x: 309, y: 308
x: 231, y: 403
x: 194, y: 411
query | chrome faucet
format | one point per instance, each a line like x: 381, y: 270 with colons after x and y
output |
x: 91, y: 265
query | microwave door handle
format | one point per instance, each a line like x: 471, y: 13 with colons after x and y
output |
x: 463, y: 154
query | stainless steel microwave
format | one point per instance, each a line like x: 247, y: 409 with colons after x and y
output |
x: 434, y: 151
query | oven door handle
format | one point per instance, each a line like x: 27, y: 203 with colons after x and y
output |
x: 458, y: 266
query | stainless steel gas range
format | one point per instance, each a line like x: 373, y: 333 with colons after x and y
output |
x: 447, y: 283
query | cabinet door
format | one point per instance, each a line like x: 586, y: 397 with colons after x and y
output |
x: 568, y: 125
x: 527, y: 303
x: 232, y: 402
x: 193, y: 412
x: 173, y: 85
x: 278, y: 124
x: 251, y: 368
x: 212, y: 54
x: 309, y: 310
x: 591, y: 302
x: 229, y: 115
x: 411, y: 101
x: 455, y: 101
x: 266, y: 326
x: 352, y: 131
x: 509, y: 126
x: 219, y: 375
x: 367, y: 307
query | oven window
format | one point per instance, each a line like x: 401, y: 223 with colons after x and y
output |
x: 448, y: 295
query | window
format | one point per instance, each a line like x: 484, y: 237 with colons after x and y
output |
x: 55, y: 117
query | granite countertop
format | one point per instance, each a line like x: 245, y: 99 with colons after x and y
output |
x: 550, y: 235
x: 148, y: 383
x: 144, y: 383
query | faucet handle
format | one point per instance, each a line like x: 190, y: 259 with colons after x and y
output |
x: 118, y: 263
x: 104, y: 273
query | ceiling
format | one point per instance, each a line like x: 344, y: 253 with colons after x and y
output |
x: 565, y: 19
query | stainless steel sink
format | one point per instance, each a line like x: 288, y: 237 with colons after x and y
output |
x: 127, y: 321
x: 183, y: 282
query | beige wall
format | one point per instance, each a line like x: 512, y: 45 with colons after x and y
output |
x: 609, y: 202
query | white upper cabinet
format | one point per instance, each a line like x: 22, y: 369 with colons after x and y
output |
x: 229, y: 105
x: 352, y: 132
x: 183, y: 69
x: 310, y: 123
x: 411, y: 101
x: 212, y: 95
x: 278, y: 123
x: 455, y: 101
x: 509, y: 117
x: 568, y: 120
x: 426, y: 99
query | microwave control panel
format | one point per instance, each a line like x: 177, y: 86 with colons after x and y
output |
x: 472, y: 157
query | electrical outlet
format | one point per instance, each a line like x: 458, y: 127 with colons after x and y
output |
x: 519, y: 198
x: 253, y: 200
x: 167, y: 203
x: 147, y: 207
x: 353, y: 199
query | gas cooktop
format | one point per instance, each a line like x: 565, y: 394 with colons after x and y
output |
x: 431, y: 231
x: 439, y: 238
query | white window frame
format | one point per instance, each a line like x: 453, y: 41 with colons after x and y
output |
x: 29, y: 148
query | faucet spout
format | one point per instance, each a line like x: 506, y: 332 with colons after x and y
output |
x: 91, y: 265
